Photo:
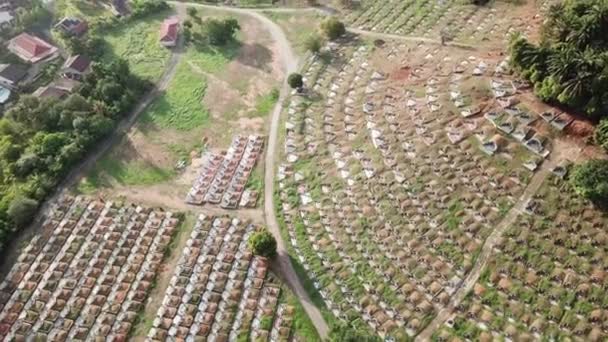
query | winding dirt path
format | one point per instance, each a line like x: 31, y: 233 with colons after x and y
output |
x: 76, y: 173
x: 289, y: 61
x: 486, y: 251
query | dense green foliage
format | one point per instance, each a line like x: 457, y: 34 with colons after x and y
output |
x: 601, y: 134
x: 344, y: 333
x: 570, y: 66
x: 333, y: 28
x: 263, y: 243
x: 28, y: 15
x: 313, y: 43
x: 590, y: 180
x: 220, y: 32
x: 142, y: 8
x: 295, y: 81
x: 41, y: 139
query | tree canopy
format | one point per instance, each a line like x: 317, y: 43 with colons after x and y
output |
x: 570, y: 65
x: 263, y: 243
x: 220, y: 32
x: 295, y: 81
x: 41, y: 139
x: 590, y: 180
x: 333, y: 28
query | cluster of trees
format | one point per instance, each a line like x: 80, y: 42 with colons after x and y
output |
x: 263, y: 243
x: 142, y: 8
x: 41, y: 139
x: 217, y: 32
x: 28, y: 14
x: 570, y: 65
x: 341, y: 332
x: 590, y: 180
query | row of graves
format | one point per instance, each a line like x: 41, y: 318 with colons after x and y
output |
x: 220, y: 291
x: 459, y: 21
x: 88, y: 280
x: 385, y: 210
x: 223, y: 177
x: 546, y: 279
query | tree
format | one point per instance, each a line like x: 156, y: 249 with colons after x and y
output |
x: 333, y: 28
x: 192, y: 11
x: 590, y: 180
x: 601, y: 134
x: 295, y: 81
x: 220, y: 32
x: 263, y: 243
x: 570, y: 64
x: 313, y: 43
x: 341, y: 332
x: 22, y: 210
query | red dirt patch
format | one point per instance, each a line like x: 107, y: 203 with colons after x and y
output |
x: 401, y: 74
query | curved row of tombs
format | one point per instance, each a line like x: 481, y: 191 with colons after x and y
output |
x: 395, y: 172
x: 91, y: 276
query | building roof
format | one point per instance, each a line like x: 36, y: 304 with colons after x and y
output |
x: 72, y: 26
x: 5, y: 94
x: 66, y: 84
x: 50, y: 91
x: 120, y: 6
x: 169, y: 30
x: 31, y: 48
x: 5, y: 17
x: 12, y: 72
x: 79, y: 63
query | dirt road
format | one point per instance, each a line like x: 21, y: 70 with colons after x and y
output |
x: 289, y: 61
x: 484, y: 256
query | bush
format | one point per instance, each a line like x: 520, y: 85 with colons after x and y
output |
x: 220, y: 32
x: 601, y: 134
x: 333, y: 28
x: 590, y: 180
x: 570, y: 65
x: 22, y: 210
x: 263, y: 243
x: 313, y: 43
x: 295, y: 81
x: 341, y: 332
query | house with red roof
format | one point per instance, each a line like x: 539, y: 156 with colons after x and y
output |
x: 76, y: 67
x: 31, y: 48
x: 169, y: 32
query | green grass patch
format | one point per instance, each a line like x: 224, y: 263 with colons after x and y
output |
x: 212, y: 59
x: 297, y: 28
x: 136, y: 41
x: 265, y: 104
x: 111, y: 169
x: 180, y: 106
x: 80, y: 8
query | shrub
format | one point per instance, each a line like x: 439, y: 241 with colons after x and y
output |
x: 263, y: 243
x: 220, y: 32
x: 313, y: 43
x: 590, y: 180
x: 601, y: 134
x: 295, y: 81
x: 22, y: 210
x: 333, y: 28
x: 569, y: 65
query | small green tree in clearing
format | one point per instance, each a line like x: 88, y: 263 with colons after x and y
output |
x: 262, y: 243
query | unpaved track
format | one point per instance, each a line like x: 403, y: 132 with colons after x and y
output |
x: 290, y: 64
x: 486, y: 251
x: 91, y: 158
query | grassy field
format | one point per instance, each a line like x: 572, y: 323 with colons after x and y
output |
x: 80, y: 9
x: 114, y: 168
x: 297, y: 27
x: 137, y: 42
x: 180, y: 106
